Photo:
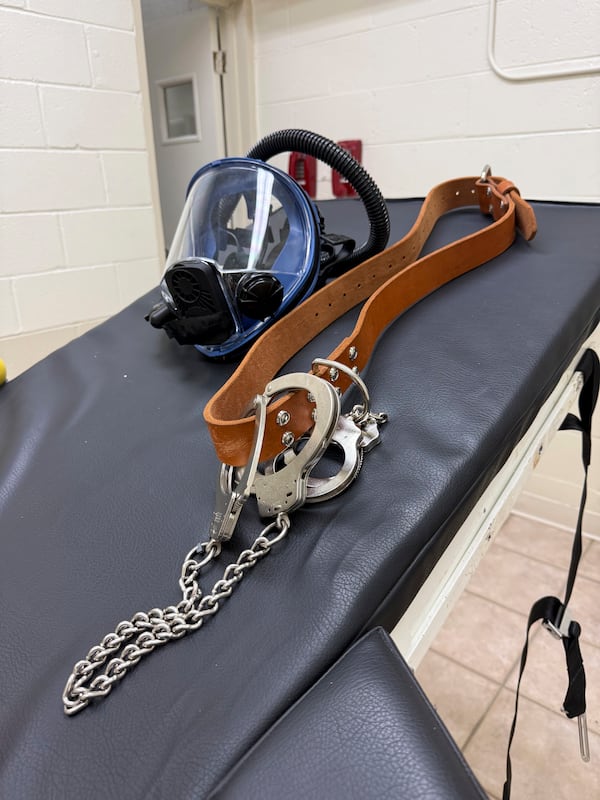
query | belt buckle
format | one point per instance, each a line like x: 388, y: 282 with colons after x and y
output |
x: 559, y: 631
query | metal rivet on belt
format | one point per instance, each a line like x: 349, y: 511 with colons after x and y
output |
x: 283, y: 417
x: 333, y: 374
x: 488, y: 191
x: 287, y: 439
x: 352, y: 353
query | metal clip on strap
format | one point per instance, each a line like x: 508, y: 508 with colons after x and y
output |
x: 229, y: 501
x: 554, y: 613
x: 282, y: 490
x: 356, y: 433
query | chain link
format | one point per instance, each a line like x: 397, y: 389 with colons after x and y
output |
x: 94, y: 677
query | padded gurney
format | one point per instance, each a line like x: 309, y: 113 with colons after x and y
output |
x: 364, y: 730
x: 107, y: 479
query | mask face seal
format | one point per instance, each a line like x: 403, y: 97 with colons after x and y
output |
x: 249, y: 246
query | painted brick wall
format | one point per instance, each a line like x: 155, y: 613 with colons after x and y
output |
x: 78, y: 239
x: 411, y: 78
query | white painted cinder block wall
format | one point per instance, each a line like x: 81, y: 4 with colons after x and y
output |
x: 78, y: 236
x: 411, y: 78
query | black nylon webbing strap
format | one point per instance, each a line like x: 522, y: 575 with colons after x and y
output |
x: 550, y: 609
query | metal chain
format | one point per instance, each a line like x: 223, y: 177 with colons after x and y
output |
x: 91, y: 678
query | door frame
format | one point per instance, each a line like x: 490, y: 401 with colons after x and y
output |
x: 235, y: 26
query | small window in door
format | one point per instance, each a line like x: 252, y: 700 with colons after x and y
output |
x: 179, y: 110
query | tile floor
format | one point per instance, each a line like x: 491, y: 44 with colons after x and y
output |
x: 470, y: 673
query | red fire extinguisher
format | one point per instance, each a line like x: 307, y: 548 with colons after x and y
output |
x: 340, y: 185
x: 303, y: 170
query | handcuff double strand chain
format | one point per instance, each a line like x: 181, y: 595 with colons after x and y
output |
x: 145, y: 632
x: 281, y: 488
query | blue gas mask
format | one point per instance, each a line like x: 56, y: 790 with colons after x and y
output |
x: 251, y: 245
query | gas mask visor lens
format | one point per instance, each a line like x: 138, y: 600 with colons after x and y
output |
x: 245, y: 249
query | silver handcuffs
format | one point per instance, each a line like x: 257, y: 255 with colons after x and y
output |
x: 285, y: 483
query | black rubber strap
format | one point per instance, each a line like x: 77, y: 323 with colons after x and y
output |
x: 550, y: 609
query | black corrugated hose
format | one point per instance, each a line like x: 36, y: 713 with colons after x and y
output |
x: 313, y: 144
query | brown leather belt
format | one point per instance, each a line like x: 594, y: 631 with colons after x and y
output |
x: 392, y: 281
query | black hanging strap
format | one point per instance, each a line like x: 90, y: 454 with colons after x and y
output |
x: 551, y: 610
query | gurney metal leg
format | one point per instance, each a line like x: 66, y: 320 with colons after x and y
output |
x: 425, y: 616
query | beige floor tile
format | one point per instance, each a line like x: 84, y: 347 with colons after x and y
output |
x: 460, y: 696
x: 585, y: 608
x: 481, y: 636
x: 545, y: 677
x: 479, y: 647
x: 589, y: 566
x: 539, y: 541
x: 515, y: 581
x: 545, y: 754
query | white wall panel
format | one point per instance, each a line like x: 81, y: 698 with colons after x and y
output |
x: 20, y: 116
x: 127, y: 178
x: 92, y: 119
x: 52, y: 299
x: 30, y: 243
x: 9, y: 320
x: 136, y: 277
x: 45, y: 180
x: 111, y: 235
x: 42, y: 49
x: 538, y: 31
x: 113, y: 58
x: 413, y: 81
x: 112, y: 13
x: 75, y: 191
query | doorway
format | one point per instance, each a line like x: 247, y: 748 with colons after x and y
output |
x: 181, y: 38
